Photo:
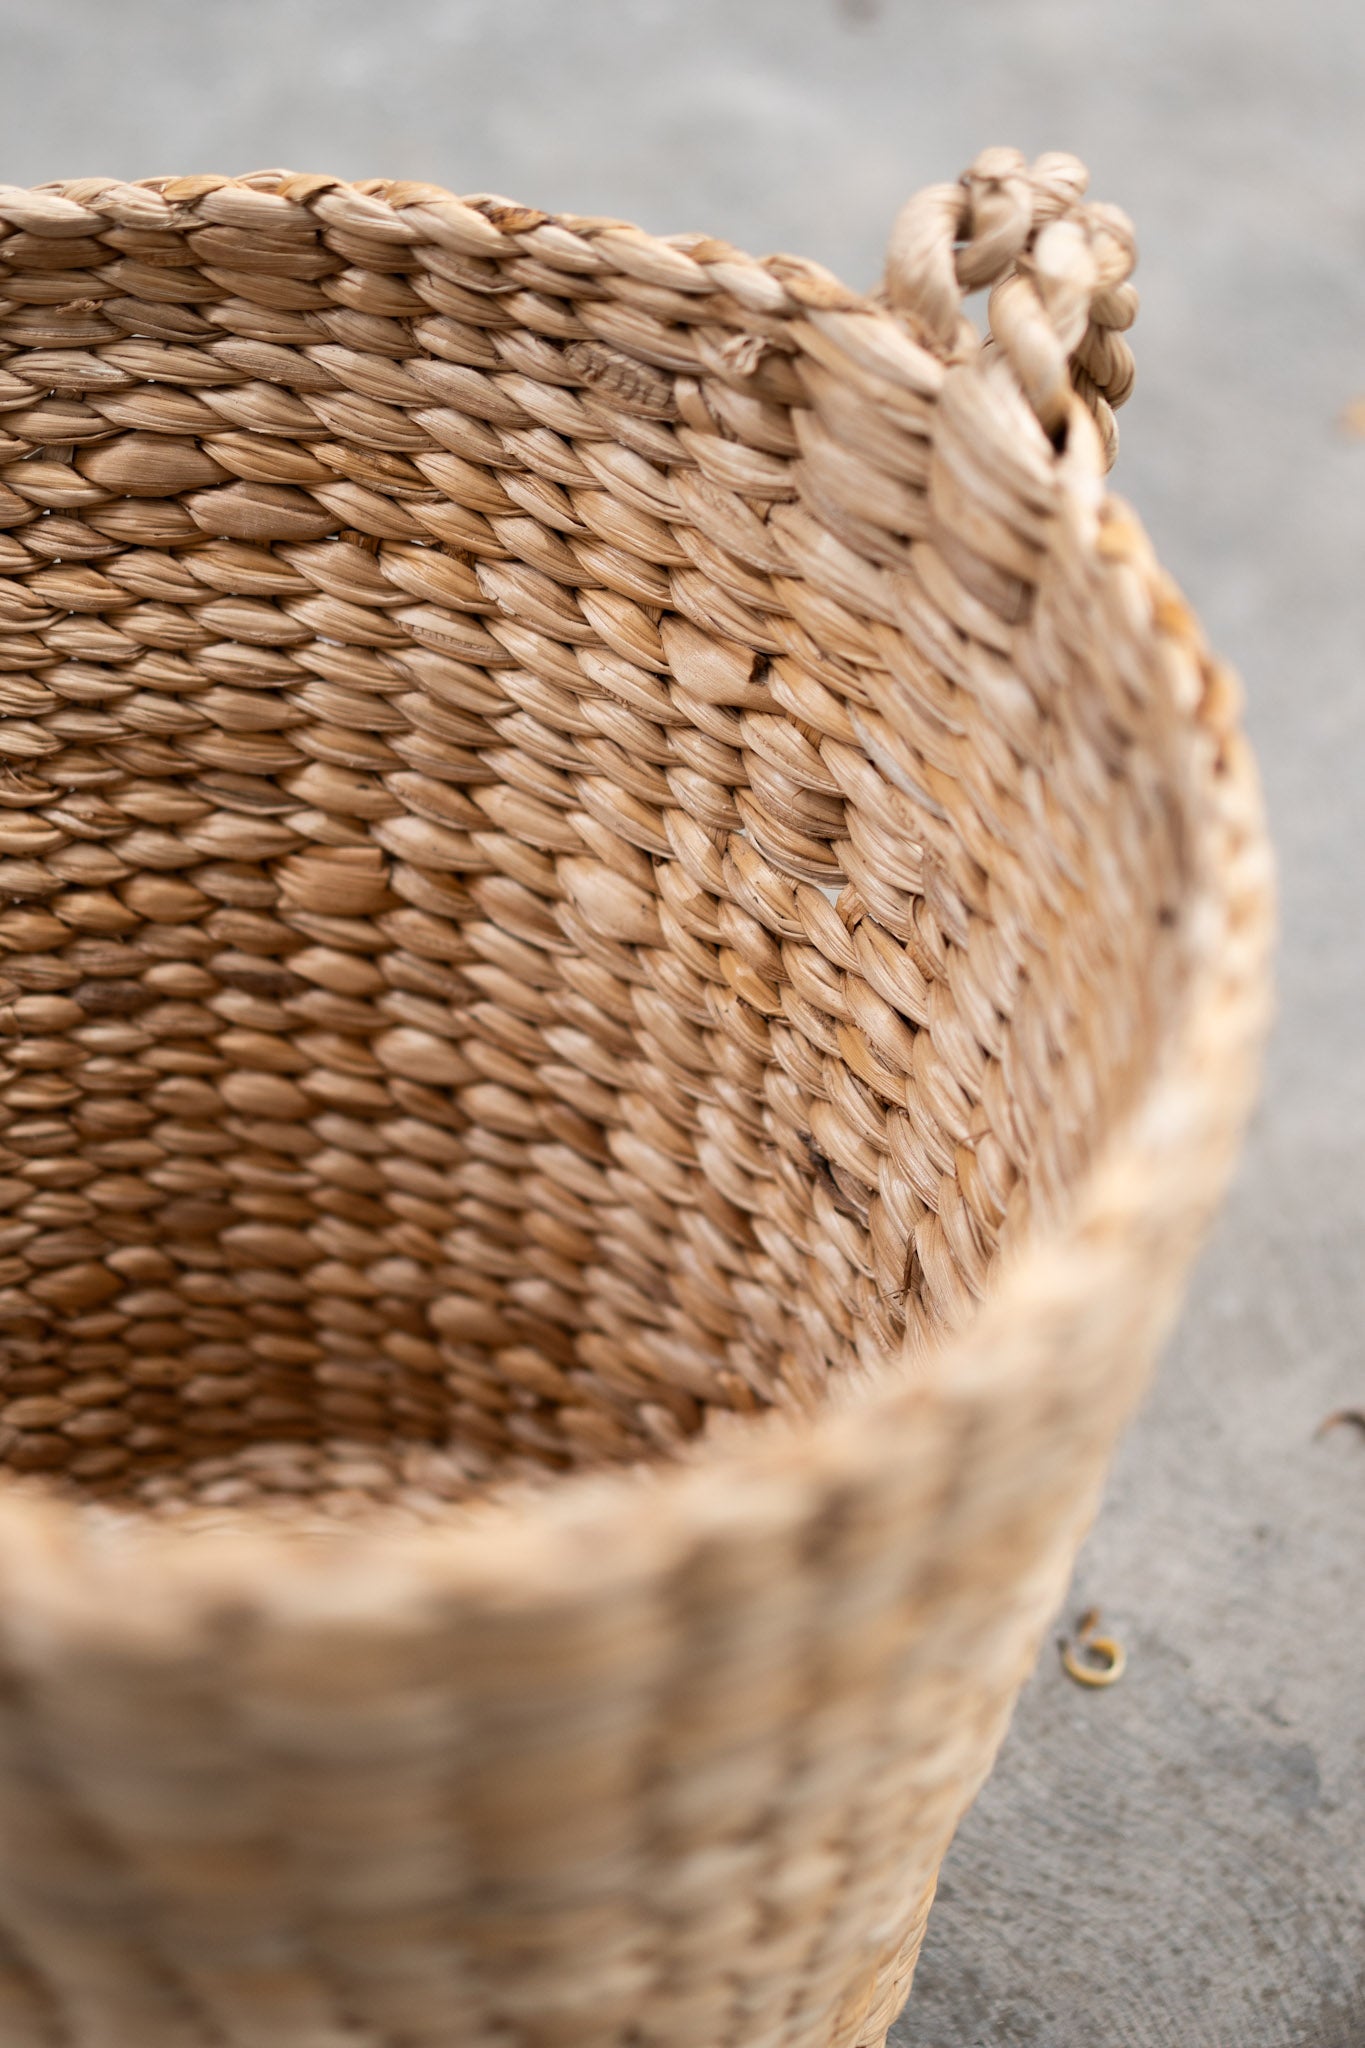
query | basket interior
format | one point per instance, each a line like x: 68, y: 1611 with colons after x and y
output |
x: 510, y: 951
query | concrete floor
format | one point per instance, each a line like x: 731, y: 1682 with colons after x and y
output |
x: 1177, y: 1860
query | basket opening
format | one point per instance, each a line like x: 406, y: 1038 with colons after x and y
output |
x: 492, y: 979
x: 378, y: 1132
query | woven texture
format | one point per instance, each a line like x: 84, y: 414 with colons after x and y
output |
x: 633, y: 949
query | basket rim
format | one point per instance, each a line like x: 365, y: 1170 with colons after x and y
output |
x: 609, y: 1527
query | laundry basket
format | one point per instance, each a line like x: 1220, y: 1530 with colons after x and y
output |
x: 634, y: 934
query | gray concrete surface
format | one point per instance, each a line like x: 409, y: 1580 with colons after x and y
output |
x: 1178, y: 1860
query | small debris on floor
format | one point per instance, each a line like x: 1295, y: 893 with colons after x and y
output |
x: 1355, y: 1416
x: 1089, y: 1657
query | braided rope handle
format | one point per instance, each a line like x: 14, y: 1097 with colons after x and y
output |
x: 1059, y: 268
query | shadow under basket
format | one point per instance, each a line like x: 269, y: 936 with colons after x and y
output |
x: 633, y: 937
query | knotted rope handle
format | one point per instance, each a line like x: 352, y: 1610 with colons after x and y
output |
x: 1059, y: 269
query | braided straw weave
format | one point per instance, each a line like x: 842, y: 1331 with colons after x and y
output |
x: 632, y: 949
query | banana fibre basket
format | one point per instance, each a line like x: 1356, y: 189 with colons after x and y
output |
x: 633, y: 935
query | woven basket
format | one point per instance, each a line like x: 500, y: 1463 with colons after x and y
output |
x: 634, y: 934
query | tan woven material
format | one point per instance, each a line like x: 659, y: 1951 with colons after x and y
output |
x: 634, y: 938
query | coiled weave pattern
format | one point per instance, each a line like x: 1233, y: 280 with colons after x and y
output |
x: 611, y: 856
